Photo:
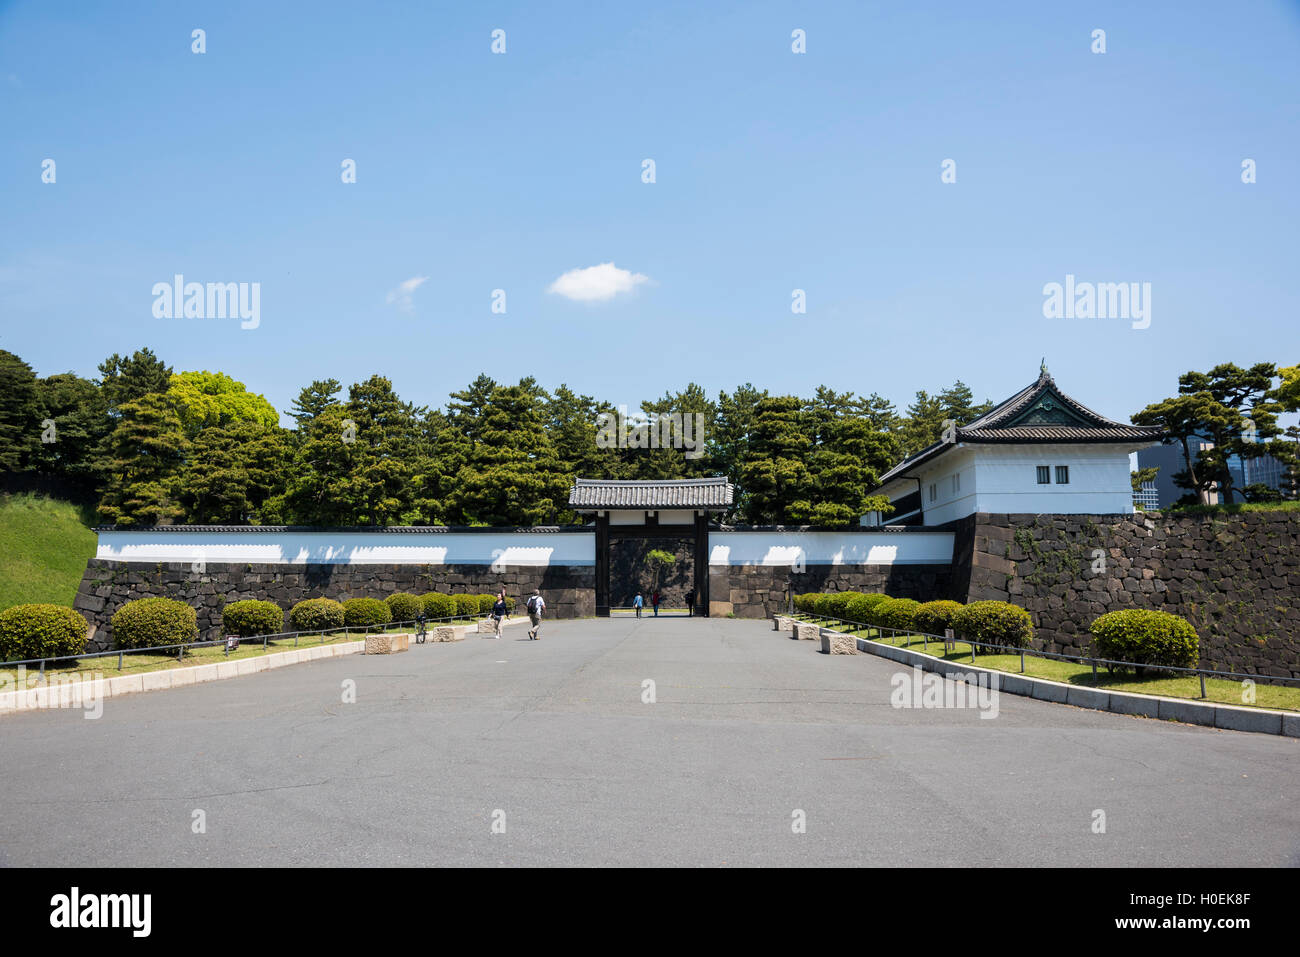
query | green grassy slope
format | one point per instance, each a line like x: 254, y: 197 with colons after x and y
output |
x: 44, y: 546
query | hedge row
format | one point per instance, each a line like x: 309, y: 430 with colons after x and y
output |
x: 1133, y: 635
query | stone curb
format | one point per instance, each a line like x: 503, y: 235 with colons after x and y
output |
x: 1224, y: 716
x: 33, y: 699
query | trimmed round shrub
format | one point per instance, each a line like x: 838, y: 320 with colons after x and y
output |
x: 1146, y: 638
x: 365, y: 612
x: 895, y: 613
x: 403, y: 606
x: 837, y: 604
x: 934, y: 616
x: 996, y: 622
x: 860, y: 608
x: 40, y: 631
x: 821, y: 605
x: 316, y: 614
x: 485, y: 603
x: 466, y: 605
x: 437, y: 605
x: 804, y: 603
x: 151, y: 622
x: 251, y: 617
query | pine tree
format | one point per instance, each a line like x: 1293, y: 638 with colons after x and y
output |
x: 775, y: 473
x: 145, y: 454
x: 233, y: 473
x: 512, y: 475
x: 20, y: 419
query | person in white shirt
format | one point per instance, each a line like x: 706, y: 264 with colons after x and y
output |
x: 536, y: 605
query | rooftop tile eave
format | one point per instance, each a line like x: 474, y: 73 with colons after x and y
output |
x: 706, y: 493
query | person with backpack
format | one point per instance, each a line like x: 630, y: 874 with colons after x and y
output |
x: 536, y: 605
x: 637, y: 603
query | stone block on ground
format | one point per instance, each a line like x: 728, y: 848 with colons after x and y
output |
x: 806, y: 632
x: 447, y: 633
x: 387, y: 644
x: 836, y: 644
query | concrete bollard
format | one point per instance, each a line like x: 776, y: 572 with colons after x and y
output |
x: 835, y: 644
x: 387, y: 644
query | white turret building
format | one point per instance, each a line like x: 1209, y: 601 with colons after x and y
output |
x: 1038, y: 452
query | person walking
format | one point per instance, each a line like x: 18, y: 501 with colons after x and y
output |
x: 637, y: 604
x: 654, y: 600
x: 690, y: 603
x: 499, y: 611
x: 536, y: 605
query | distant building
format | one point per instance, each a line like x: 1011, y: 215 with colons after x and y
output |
x: 1038, y: 452
x: 1263, y: 469
x: 1147, y: 497
x: 1169, y: 459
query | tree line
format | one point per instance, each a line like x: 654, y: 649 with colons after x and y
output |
x: 148, y: 445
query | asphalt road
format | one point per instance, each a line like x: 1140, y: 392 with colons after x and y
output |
x: 552, y: 738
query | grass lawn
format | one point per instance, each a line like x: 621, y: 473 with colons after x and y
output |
x: 1218, y: 690
x: 44, y: 546
x: 140, y: 662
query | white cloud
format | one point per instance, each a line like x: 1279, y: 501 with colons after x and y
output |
x: 596, y: 283
x: 401, y: 296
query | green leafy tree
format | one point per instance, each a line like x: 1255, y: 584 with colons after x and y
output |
x: 206, y: 400
x: 658, y: 559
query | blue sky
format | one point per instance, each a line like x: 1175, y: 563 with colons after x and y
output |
x: 774, y: 171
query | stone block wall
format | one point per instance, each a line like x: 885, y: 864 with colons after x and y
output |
x: 1235, y: 577
x: 758, y: 591
x: 628, y: 571
x: 107, y: 585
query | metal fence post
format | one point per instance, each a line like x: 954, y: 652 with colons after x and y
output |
x: 1202, y: 677
x: 1022, y: 661
x: 119, y: 661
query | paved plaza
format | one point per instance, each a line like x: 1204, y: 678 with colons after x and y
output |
x: 551, y: 742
